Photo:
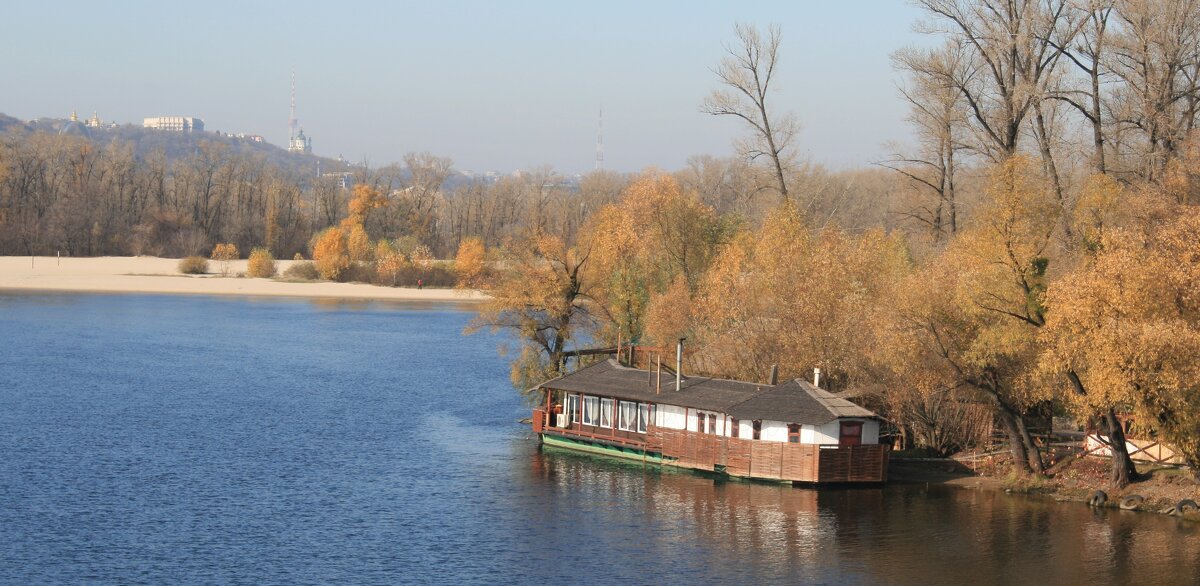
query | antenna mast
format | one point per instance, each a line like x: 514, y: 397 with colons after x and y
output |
x: 600, y: 141
x: 292, y: 117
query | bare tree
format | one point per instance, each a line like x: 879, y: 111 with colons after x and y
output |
x: 1013, y: 47
x: 746, y: 72
x: 936, y: 112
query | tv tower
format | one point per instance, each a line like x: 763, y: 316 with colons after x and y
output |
x: 600, y: 141
x: 292, y: 118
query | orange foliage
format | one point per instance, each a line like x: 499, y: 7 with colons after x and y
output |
x: 468, y: 263
x: 330, y: 254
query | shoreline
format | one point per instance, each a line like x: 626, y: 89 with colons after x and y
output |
x: 153, y: 275
x: 950, y: 472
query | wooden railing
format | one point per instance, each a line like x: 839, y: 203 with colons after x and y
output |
x: 746, y: 458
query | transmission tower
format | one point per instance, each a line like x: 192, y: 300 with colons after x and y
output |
x: 292, y: 124
x: 600, y: 142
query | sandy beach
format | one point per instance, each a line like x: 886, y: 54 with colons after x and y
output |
x: 161, y: 275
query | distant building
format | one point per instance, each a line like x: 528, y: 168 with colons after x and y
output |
x: 174, y: 123
x: 342, y: 180
x: 300, y: 143
x: 249, y: 137
x: 94, y: 121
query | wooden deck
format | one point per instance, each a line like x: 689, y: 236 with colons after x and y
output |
x: 742, y: 457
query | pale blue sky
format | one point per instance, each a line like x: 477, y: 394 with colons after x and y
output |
x: 492, y: 85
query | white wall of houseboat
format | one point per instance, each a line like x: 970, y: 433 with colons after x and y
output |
x: 669, y: 417
x: 831, y: 432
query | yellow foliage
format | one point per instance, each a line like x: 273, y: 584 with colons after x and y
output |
x: 389, y: 262
x: 1129, y: 325
x: 358, y: 244
x: 468, y: 263
x: 366, y: 198
x: 225, y: 253
x: 330, y: 254
x: 261, y: 263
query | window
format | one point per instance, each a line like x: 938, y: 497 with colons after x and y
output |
x: 572, y: 408
x: 627, y: 416
x: 757, y: 429
x: 643, y: 417
x: 606, y: 412
x: 700, y: 419
x: 712, y: 423
x: 591, y: 410
x: 734, y: 425
x: 793, y: 433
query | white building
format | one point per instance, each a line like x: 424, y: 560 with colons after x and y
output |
x: 300, y: 143
x: 174, y: 123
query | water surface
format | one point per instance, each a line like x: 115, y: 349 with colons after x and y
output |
x: 152, y: 439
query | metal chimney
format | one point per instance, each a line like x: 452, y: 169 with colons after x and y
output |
x: 679, y: 364
x: 817, y: 377
x: 774, y: 380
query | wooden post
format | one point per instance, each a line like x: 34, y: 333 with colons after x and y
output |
x: 658, y: 376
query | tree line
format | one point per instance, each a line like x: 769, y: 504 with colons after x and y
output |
x: 1040, y: 254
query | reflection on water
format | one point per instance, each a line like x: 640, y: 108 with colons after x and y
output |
x: 911, y: 534
x: 155, y: 439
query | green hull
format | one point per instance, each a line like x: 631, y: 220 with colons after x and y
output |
x: 602, y: 449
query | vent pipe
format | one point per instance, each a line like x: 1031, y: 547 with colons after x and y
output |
x: 679, y: 364
x: 817, y: 377
x: 774, y: 379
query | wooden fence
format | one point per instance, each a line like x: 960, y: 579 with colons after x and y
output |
x: 774, y: 460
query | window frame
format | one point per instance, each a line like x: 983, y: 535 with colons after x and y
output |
x: 734, y: 427
x: 591, y: 406
x: 606, y: 412
x: 573, y: 408
x: 643, y: 417
x: 623, y: 423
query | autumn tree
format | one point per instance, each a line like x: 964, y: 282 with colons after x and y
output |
x: 541, y: 295
x: 330, y: 254
x: 746, y: 74
x: 657, y: 233
x: 224, y: 254
x: 784, y: 296
x: 1129, y: 324
x: 468, y: 263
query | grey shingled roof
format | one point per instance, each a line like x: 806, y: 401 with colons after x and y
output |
x: 609, y: 379
x: 795, y: 401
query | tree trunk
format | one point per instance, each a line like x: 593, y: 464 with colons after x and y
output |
x: 1123, y: 469
x: 1020, y: 455
x: 1032, y: 451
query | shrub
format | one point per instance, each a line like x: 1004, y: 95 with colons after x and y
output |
x: 469, y: 263
x: 261, y: 264
x: 330, y: 254
x: 298, y: 256
x: 225, y: 253
x: 193, y: 265
x: 302, y: 270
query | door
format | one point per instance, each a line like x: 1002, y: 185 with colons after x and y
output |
x: 851, y: 434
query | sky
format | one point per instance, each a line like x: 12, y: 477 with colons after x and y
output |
x: 492, y: 85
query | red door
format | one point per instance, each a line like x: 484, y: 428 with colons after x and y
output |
x: 851, y: 434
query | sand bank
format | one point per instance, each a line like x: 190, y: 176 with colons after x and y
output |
x: 161, y: 275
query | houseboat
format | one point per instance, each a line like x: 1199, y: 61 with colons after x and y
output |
x: 789, y: 431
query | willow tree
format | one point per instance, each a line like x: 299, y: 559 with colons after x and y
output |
x: 1129, y: 325
x: 658, y: 233
x: 784, y: 296
x: 540, y: 294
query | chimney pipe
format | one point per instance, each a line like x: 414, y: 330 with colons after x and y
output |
x: 774, y: 380
x: 679, y: 364
x: 817, y: 377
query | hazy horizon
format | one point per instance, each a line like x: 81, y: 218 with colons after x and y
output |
x: 494, y: 87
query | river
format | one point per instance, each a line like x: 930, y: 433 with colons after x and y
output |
x: 159, y: 439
